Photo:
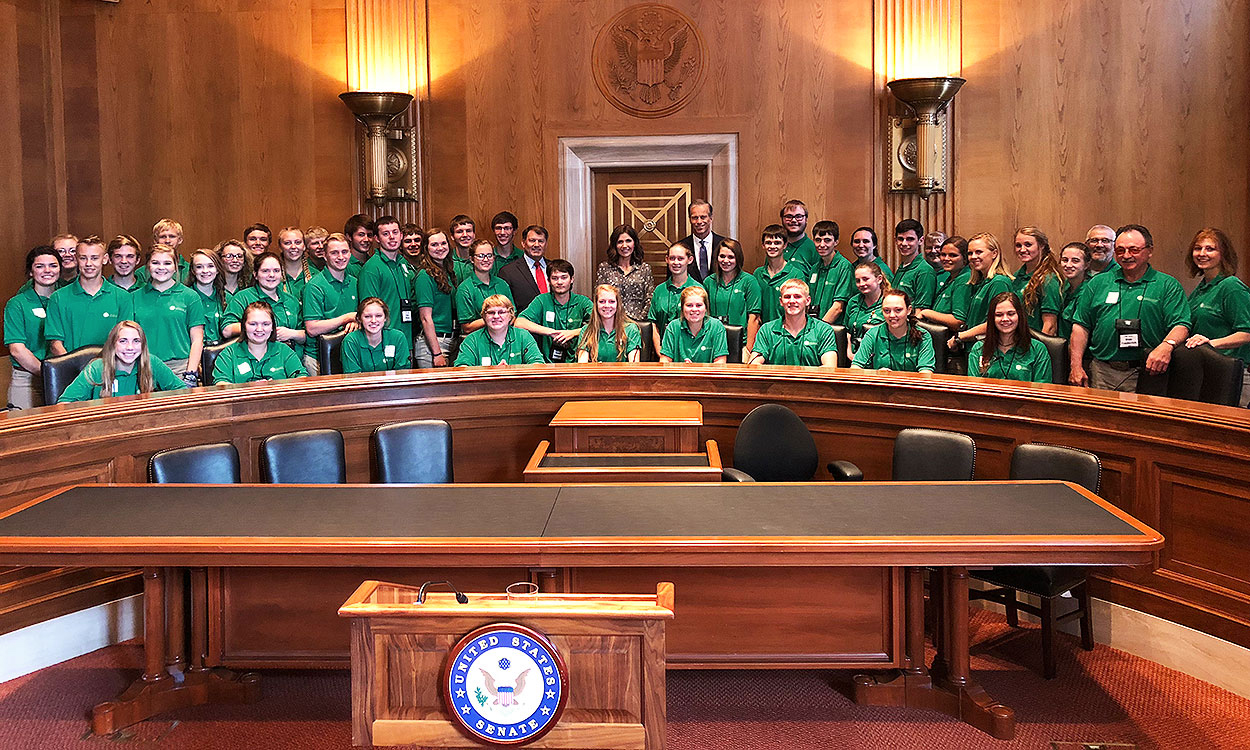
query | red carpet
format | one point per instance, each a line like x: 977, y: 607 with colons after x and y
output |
x: 1102, y: 696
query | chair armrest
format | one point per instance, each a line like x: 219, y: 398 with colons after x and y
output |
x: 845, y: 471
x: 730, y: 474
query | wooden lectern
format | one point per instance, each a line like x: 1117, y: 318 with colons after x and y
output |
x: 411, y: 662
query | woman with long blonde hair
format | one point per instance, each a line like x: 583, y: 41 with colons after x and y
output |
x: 610, y: 336
x: 124, y: 368
x: 990, y: 277
x: 1039, y: 282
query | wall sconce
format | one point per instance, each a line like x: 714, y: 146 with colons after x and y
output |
x: 917, y: 147
x: 390, y: 154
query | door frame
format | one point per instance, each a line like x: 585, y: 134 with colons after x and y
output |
x: 579, y: 156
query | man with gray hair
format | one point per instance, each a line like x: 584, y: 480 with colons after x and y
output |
x: 702, y: 241
x: 1101, y: 242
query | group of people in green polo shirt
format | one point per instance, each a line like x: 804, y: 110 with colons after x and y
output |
x: 409, y: 297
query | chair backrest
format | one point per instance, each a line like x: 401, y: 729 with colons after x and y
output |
x: 773, y: 445
x: 1058, y: 348
x: 417, y: 452
x: 1221, y: 376
x: 329, y: 353
x: 216, y: 463
x: 843, y: 340
x: 648, y: 353
x: 734, y: 339
x: 1182, y: 379
x: 1041, y: 461
x: 933, y: 456
x: 304, y: 457
x: 59, y: 372
x: 208, y: 359
x: 940, y: 334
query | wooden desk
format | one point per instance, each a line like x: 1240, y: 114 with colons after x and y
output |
x: 793, y: 575
x: 635, y: 426
x: 545, y: 466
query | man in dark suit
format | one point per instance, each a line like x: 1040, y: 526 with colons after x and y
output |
x: 527, y: 276
x: 702, y: 241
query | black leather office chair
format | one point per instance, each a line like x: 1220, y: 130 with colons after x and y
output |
x: 1221, y: 377
x: 329, y: 353
x: 1198, y: 374
x: 59, y: 372
x: 735, y: 339
x: 304, y: 457
x: 773, y: 445
x: 1058, y: 349
x: 417, y: 452
x: 648, y: 353
x: 842, y: 338
x: 216, y: 463
x: 922, y: 456
x: 208, y: 360
x: 1047, y: 582
x: 940, y: 334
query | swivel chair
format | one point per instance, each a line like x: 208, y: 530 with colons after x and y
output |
x: 304, y: 457
x: 417, y: 452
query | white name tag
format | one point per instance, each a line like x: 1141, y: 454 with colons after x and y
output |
x: 106, y: 315
x: 39, y: 312
x: 1129, y: 341
x: 485, y: 361
x: 244, y: 368
x: 388, y: 350
x: 115, y: 384
x: 813, y: 281
x: 551, y: 316
x: 1113, y: 297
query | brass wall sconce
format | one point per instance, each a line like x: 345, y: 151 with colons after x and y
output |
x: 917, y: 147
x: 390, y: 154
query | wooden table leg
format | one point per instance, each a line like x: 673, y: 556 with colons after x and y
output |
x: 951, y: 688
x: 161, y: 689
x: 175, y: 620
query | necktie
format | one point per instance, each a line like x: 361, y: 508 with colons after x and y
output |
x: 703, y: 259
x: 541, y: 278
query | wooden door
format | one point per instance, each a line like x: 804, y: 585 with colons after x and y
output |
x: 654, y: 201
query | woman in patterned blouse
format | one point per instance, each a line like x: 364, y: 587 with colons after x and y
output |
x: 626, y: 270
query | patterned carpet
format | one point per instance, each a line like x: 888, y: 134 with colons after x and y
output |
x: 1103, y: 696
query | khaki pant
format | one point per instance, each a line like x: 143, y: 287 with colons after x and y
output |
x: 25, y: 390
x: 312, y: 364
x: 422, y: 356
x: 1114, y: 376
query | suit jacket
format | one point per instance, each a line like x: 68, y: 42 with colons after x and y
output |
x: 689, y: 242
x: 516, y: 274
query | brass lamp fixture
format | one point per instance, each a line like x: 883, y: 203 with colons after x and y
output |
x: 387, y: 166
x: 917, y: 160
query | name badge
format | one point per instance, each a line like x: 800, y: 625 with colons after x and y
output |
x: 388, y: 350
x: 813, y: 281
x: 1129, y: 333
x: 405, y: 311
x: 551, y: 316
x: 39, y: 312
x: 115, y: 384
x: 244, y: 368
x: 485, y: 361
x: 106, y: 315
x: 1113, y: 297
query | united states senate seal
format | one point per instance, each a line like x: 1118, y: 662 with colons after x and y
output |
x: 505, y: 684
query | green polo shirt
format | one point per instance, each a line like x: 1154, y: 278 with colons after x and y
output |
x: 831, y: 282
x: 391, y: 281
x: 167, y: 318
x: 472, y: 293
x: 236, y: 364
x: 680, y: 346
x: 802, y: 252
x: 518, y: 348
x: 461, y: 268
x: 1158, y: 300
x: 90, y: 382
x: 879, y: 262
x: 78, y: 319
x: 666, y: 302
x: 502, y: 260
x: 134, y: 285
x: 326, y: 297
x: 1219, y: 308
x: 770, y: 288
x: 1071, y: 299
x: 953, y: 294
x: 287, y: 313
x: 979, y: 296
x: 1111, y: 266
x: 24, y: 317
x: 1033, y: 366
x: 779, y: 347
x: 545, y: 311
x: 141, y: 273
x: 859, y: 317
x: 440, y: 304
x: 355, y: 266
x: 919, y: 280
x: 1049, y: 300
x: 294, y: 285
x: 607, y: 344
x: 732, y: 303
x: 213, y: 313
x: 393, y: 352
x: 881, y: 350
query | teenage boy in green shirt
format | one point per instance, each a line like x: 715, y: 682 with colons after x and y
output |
x: 914, y: 275
x: 330, y: 299
x: 795, y: 338
x: 775, y: 272
x: 84, y: 312
x: 800, y: 249
x: 474, y: 290
x: 556, y: 318
x: 830, y: 279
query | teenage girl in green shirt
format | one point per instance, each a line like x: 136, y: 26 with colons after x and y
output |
x: 898, y: 344
x: 733, y: 296
x: 1074, y: 262
x: 609, y: 336
x: 864, y: 309
x: 1038, y: 281
x: 24, y: 315
x: 1220, y: 305
x: 295, y: 266
x: 375, y: 347
x: 124, y: 368
x: 1009, y: 350
x: 435, y: 288
x: 236, y: 266
x: 990, y: 276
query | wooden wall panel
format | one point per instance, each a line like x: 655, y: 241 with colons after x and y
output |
x: 1097, y: 111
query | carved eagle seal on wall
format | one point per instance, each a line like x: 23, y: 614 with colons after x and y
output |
x: 649, y: 60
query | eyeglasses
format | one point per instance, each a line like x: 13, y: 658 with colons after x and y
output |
x: 483, y: 256
x: 793, y: 216
x: 1132, y: 250
x: 232, y: 256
